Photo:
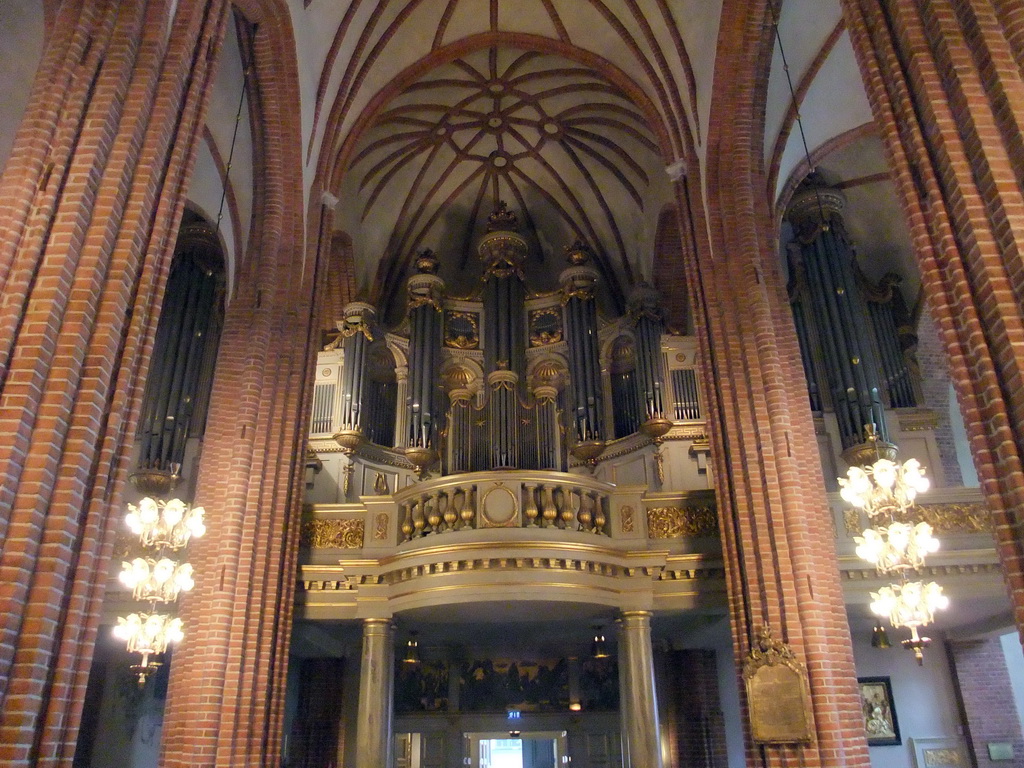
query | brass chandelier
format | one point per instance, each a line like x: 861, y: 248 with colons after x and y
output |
x: 157, y: 575
x: 896, y: 544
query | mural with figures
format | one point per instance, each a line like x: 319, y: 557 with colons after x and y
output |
x: 500, y: 685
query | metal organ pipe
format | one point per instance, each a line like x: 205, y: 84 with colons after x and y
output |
x: 357, y: 334
x: 425, y: 294
x: 839, y: 311
x: 578, y: 283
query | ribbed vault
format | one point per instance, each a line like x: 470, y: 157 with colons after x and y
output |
x: 557, y: 141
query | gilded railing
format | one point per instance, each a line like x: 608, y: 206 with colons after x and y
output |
x: 518, y: 499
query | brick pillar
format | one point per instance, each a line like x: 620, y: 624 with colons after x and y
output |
x: 947, y: 92
x: 777, y: 534
x: 987, y: 698
x: 89, y: 206
x: 225, y: 701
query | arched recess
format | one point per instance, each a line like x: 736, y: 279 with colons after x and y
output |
x: 174, y: 407
x: 669, y: 279
x: 338, y: 152
x: 332, y: 164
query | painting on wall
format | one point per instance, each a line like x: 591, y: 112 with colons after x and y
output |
x: 421, y: 687
x: 879, y: 711
x: 499, y: 685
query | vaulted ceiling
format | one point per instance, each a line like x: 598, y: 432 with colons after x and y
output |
x: 557, y: 141
x: 403, y: 122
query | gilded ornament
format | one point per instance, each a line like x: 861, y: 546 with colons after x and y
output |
x: 626, y: 516
x: 851, y: 522
x: 778, y: 696
x: 462, y: 329
x: 946, y: 757
x: 380, y: 530
x: 956, y: 518
x: 339, y: 534
x: 682, y: 522
x: 545, y: 326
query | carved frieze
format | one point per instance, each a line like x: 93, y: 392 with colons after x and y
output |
x: 948, y: 519
x: 340, y: 534
x: 680, y: 522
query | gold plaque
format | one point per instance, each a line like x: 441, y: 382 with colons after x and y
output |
x: 778, y: 696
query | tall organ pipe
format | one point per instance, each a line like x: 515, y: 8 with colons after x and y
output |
x: 823, y: 252
x: 578, y: 283
x: 503, y: 252
x: 645, y: 314
x: 426, y: 291
x: 356, y: 329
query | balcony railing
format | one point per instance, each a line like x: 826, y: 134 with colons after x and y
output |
x: 515, y: 499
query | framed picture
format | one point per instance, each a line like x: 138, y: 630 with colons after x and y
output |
x: 940, y: 753
x: 879, y: 710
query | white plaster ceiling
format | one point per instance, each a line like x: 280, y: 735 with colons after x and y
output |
x: 561, y: 144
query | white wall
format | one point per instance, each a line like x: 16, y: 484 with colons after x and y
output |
x: 21, y: 41
x: 924, y: 695
x: 1015, y: 666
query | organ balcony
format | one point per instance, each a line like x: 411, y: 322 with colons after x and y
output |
x: 520, y: 439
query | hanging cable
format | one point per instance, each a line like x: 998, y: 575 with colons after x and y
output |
x: 796, y: 105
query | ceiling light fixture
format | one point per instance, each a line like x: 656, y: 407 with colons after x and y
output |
x: 156, y: 576
x: 895, y: 543
x: 598, y: 648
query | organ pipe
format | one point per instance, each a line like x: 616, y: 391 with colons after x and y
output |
x: 645, y: 314
x: 823, y: 254
x: 357, y: 334
x: 503, y: 252
x: 580, y: 312
x: 426, y: 291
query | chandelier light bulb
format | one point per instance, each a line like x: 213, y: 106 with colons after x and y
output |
x: 156, y: 580
x: 168, y: 524
x: 911, y: 604
x: 148, y: 633
x: 884, y: 487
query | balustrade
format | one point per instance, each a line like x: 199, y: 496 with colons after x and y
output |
x: 504, y: 500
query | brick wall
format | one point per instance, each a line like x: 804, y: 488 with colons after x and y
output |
x: 945, y: 86
x: 987, y: 699
x: 89, y: 206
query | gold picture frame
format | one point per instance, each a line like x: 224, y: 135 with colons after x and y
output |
x: 879, y: 710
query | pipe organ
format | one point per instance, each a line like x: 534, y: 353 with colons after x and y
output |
x: 510, y: 380
x: 855, y: 338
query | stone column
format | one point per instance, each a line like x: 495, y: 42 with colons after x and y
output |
x: 641, y: 732
x: 374, y: 735
x: 90, y: 202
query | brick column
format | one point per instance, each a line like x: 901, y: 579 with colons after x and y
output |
x: 777, y: 535
x: 947, y: 91
x: 89, y: 206
x: 226, y: 693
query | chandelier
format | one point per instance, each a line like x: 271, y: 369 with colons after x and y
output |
x: 157, y: 576
x: 895, y: 543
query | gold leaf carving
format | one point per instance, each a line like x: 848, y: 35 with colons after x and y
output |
x: 626, y: 515
x: 956, y: 518
x: 679, y: 522
x: 341, y: 534
x: 380, y: 531
x: 851, y: 522
x: 945, y: 757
